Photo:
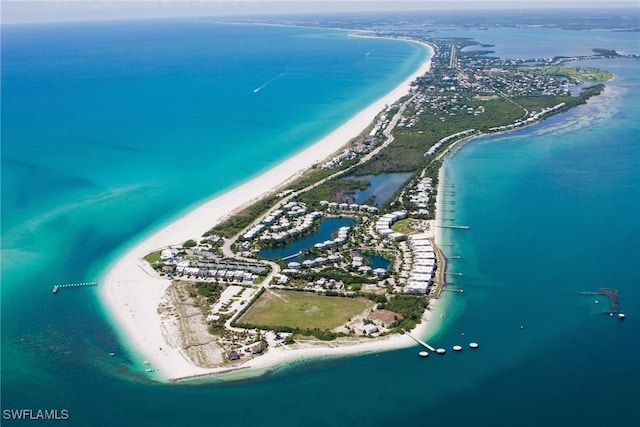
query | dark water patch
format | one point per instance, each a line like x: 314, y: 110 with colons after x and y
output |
x: 327, y: 228
x: 381, y: 187
x: 377, y: 261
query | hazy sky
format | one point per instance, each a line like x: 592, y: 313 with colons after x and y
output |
x: 20, y: 11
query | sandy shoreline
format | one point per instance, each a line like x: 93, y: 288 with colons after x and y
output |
x: 131, y: 290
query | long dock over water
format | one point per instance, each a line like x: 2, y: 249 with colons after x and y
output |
x: 456, y: 227
x: 56, y: 288
x: 422, y: 343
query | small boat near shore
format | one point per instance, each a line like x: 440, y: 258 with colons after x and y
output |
x: 424, y: 354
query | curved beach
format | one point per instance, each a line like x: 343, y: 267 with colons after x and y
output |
x: 132, y: 291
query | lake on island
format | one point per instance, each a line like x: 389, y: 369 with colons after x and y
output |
x: 381, y: 186
x: 326, y: 231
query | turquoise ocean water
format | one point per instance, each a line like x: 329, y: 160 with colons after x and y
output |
x: 99, y: 148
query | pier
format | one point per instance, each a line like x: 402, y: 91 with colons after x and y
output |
x: 56, y: 288
x: 457, y: 227
x: 422, y: 343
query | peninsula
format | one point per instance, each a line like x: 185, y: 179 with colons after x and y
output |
x: 230, y: 286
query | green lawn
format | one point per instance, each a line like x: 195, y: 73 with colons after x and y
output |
x: 302, y: 310
x: 404, y: 226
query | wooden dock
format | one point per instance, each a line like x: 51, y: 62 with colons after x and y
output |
x: 56, y: 288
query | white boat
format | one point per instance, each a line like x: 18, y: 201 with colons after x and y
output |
x: 473, y: 345
x: 441, y: 351
x: 457, y: 348
x: 424, y: 354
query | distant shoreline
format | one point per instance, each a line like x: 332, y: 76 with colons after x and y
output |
x: 132, y: 291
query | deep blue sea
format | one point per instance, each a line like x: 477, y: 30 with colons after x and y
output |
x: 111, y: 130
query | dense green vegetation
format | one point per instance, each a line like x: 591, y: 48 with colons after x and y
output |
x: 190, y: 244
x: 153, y: 257
x: 576, y: 73
x: 209, y: 290
x: 411, y: 307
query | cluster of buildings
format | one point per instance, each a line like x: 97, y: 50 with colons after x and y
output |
x: 424, y: 264
x: 446, y: 139
x: 384, y: 223
x: 382, y: 122
x: 420, y: 195
x: 290, y: 221
x: 346, y: 155
x: 357, y: 263
x: 189, y: 268
x: 189, y: 263
x: 315, y: 262
x: 347, y: 207
x: 341, y: 238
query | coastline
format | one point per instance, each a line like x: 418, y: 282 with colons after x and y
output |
x: 131, y: 291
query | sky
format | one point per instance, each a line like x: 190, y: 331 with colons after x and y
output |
x: 26, y: 11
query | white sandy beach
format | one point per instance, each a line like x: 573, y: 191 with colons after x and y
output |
x: 131, y: 290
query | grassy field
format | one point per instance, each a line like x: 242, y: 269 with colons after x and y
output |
x: 405, y: 226
x: 303, y: 310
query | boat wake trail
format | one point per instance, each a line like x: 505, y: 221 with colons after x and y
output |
x: 259, y: 88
